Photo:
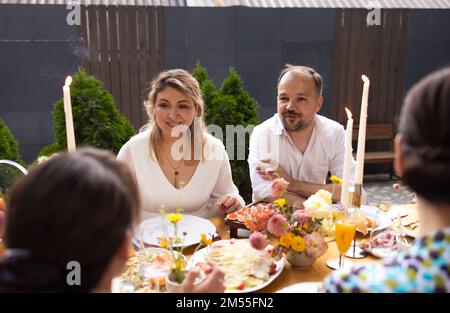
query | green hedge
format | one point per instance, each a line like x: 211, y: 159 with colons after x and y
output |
x: 97, y: 122
x: 9, y: 150
x: 231, y: 105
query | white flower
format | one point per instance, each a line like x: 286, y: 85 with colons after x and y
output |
x: 42, y: 159
x: 325, y: 194
x: 328, y: 226
x: 317, y: 206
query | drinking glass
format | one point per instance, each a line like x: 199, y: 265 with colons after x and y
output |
x: 345, y: 232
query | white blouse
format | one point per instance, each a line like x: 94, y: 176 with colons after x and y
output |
x: 211, y: 180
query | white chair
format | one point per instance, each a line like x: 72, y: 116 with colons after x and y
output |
x: 15, y: 165
x: 10, y: 172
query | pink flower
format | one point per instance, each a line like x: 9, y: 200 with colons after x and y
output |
x: 396, y: 187
x: 277, y: 225
x: 315, y: 245
x: 258, y: 241
x: 302, y: 217
x: 278, y: 187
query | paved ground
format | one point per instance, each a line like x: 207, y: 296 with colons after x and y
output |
x: 379, y: 190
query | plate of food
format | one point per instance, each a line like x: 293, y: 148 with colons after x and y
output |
x: 246, y: 269
x: 385, y: 244
x: 153, y: 232
x: 393, y: 210
x: 145, y: 272
x: 307, y: 287
x: 372, y: 217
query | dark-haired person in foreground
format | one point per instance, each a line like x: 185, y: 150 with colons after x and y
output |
x: 423, y: 161
x: 75, y: 207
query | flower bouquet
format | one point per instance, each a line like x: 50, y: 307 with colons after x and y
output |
x: 297, y: 235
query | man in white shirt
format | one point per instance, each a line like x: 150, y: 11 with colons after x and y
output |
x: 301, y: 145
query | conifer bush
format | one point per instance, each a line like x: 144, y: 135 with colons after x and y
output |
x: 9, y: 150
x: 231, y: 105
x: 96, y: 120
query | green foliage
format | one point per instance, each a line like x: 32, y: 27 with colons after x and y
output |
x: 97, y: 122
x: 9, y: 150
x: 207, y: 87
x: 231, y: 105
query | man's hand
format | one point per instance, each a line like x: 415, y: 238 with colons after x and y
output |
x: 212, y: 283
x: 269, y: 171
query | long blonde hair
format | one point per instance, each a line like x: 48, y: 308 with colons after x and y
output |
x: 185, y: 83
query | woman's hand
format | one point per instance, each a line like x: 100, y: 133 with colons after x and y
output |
x: 228, y: 204
x: 212, y: 283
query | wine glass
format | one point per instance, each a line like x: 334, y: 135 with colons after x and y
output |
x: 345, y: 232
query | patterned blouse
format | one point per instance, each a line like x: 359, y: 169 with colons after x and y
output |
x: 423, y: 267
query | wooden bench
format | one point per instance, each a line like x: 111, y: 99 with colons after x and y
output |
x: 378, y: 132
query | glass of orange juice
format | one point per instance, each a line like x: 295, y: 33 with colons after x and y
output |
x: 345, y: 232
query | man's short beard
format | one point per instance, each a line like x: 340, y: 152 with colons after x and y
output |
x: 297, y: 126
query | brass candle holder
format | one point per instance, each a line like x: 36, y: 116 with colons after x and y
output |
x: 355, y: 198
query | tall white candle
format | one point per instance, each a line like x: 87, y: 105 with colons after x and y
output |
x: 362, y: 132
x: 68, y: 114
x: 347, y: 159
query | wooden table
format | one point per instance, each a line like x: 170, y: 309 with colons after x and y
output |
x: 319, y: 270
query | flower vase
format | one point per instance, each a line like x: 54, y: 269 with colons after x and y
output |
x: 172, y: 285
x: 299, y: 260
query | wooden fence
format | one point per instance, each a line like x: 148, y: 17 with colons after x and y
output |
x: 124, y: 48
x: 377, y: 51
x: 380, y: 53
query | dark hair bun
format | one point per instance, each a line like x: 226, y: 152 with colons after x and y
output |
x: 425, y: 130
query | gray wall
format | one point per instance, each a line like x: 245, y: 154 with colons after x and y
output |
x: 37, y: 51
x: 428, y: 46
x: 257, y: 42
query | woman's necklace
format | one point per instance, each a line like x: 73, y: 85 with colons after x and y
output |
x: 175, y: 169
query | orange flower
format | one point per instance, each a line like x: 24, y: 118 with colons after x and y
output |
x: 286, y: 240
x: 131, y: 253
x: 2, y: 204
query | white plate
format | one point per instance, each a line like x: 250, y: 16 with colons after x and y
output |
x: 371, y: 211
x: 395, y: 211
x: 309, y: 287
x: 194, y: 226
x: 199, y: 256
x: 382, y: 253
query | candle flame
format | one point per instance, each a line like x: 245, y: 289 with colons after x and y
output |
x: 365, y: 78
x: 349, y: 114
x: 68, y: 81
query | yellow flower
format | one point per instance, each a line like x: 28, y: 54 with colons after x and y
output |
x: 298, y: 244
x: 280, y: 202
x: 163, y: 243
x: 286, y: 240
x: 336, y: 180
x: 179, y: 264
x: 174, y: 217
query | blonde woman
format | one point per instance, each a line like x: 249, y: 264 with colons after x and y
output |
x: 176, y: 163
